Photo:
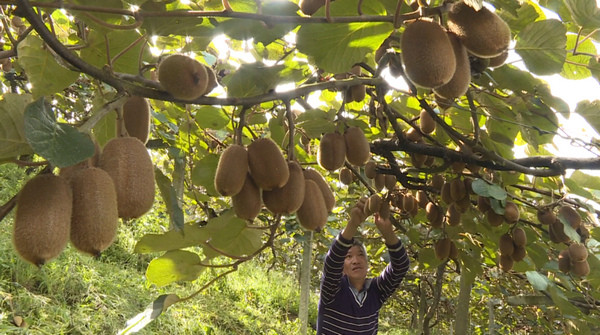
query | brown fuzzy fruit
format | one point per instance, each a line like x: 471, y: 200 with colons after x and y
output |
x: 309, y: 7
x: 323, y: 186
x: 136, y: 117
x: 459, y: 83
x: 409, y: 202
x: 578, y: 252
x: 390, y: 181
x: 358, y: 150
x: 332, y: 151
x: 129, y: 165
x: 437, y: 182
x: 212, y: 80
x: 267, y: 165
x: 519, y: 253
x: 564, y: 261
x: 442, y: 248
x: 373, y: 204
x: 312, y: 215
x: 384, y: 210
x: 457, y: 189
x: 370, y: 169
x: 346, y: 176
x: 506, y: 245
x: 231, y: 170
x: 506, y: 263
x: 289, y: 198
x: 432, y: 212
x: 425, y: 54
x: 355, y: 93
x: 493, y: 218
x: 95, y: 215
x: 511, y: 212
x: 546, y: 216
x: 453, y: 215
x: 483, y: 204
x: 247, y: 202
x: 379, y: 182
x: 498, y: 60
x: 446, y: 193
x: 580, y: 269
x: 570, y: 215
x: 182, y: 76
x: 43, y: 218
x: 426, y: 122
x: 422, y: 199
x: 519, y: 237
x: 556, y: 230
x: 482, y: 32
x: 414, y: 135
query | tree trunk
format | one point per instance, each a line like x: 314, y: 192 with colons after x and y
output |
x: 305, y: 283
x: 462, y: 319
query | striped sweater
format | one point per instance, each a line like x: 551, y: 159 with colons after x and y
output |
x: 342, y: 311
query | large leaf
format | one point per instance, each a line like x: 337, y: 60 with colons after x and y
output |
x: 12, y: 133
x: 154, y: 310
x: 61, y: 144
x: 572, y: 69
x: 230, y: 234
x: 176, y: 265
x: 256, y: 78
x: 537, y: 280
x: 541, y: 44
x: 585, y: 12
x: 46, y: 75
x: 169, y: 196
x: 585, y: 180
x: 211, y: 117
x: 191, y: 235
x: 539, y: 122
x: 590, y: 111
x: 204, y: 172
x: 118, y: 41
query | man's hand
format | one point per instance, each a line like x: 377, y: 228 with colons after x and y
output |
x: 386, y: 229
x: 357, y: 217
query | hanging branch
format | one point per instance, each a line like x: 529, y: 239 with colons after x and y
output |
x: 291, y: 129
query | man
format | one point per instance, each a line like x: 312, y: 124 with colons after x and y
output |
x: 350, y: 302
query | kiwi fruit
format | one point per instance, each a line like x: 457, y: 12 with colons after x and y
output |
x: 519, y: 253
x: 442, y: 248
x: 425, y: 49
x: 95, y: 214
x: 231, y: 170
x: 453, y: 251
x: 458, y: 85
x: 578, y: 252
x: 183, y: 77
x: 437, y: 182
x: 379, y: 182
x: 247, y: 202
x: 483, y: 204
x: 457, y: 189
x: 519, y: 237
x: 545, y: 216
x: 346, y: 176
x: 332, y: 151
x: 426, y: 123
x: 328, y: 196
x: 370, y: 169
x: 390, y: 181
x: 212, y: 80
x: 453, y: 215
x: 498, y: 60
x: 418, y: 160
x: 413, y: 135
x: 358, y: 149
x: 384, y: 210
x: 463, y: 204
x: 506, y: 244
x: 129, y: 165
x: 422, y: 199
x: 313, y: 214
x: 564, y: 261
x: 288, y: 198
x: 446, y: 193
x: 267, y: 165
x: 506, y: 263
x: 556, y: 230
x: 373, y: 204
x: 482, y: 32
x: 355, y: 93
x: 457, y: 167
x: 493, y: 218
x: 511, y: 212
x: 409, y: 202
x: 580, y: 269
x: 136, y: 117
x: 309, y: 7
x: 43, y: 218
x: 434, y: 215
x: 570, y: 215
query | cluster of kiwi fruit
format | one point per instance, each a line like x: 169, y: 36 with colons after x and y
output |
x: 511, y: 212
x: 574, y: 260
x: 438, y: 58
x: 84, y: 202
x: 260, y: 174
x: 335, y: 148
x: 354, y: 93
x: 556, y: 229
x: 184, y: 77
x: 425, y: 126
x: 512, y: 248
x: 445, y: 248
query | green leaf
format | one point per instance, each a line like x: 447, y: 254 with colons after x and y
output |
x: 594, y: 66
x: 118, y: 41
x: 484, y: 189
x: 562, y: 302
x: 538, y: 281
x: 153, y: 311
x: 255, y: 78
x: 584, y: 12
x: 526, y: 13
x: 541, y: 44
x: 176, y: 265
x: 191, y: 235
x: 590, y: 111
x: 46, y: 75
x: 569, y: 231
x: 167, y: 192
x: 571, y: 69
x: 230, y: 234
x: 209, y: 117
x: 539, y: 122
x: 61, y: 144
x: 585, y: 180
x: 204, y: 172
x: 316, y: 122
x: 13, y: 141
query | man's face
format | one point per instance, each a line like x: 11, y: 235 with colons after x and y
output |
x: 355, y: 264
